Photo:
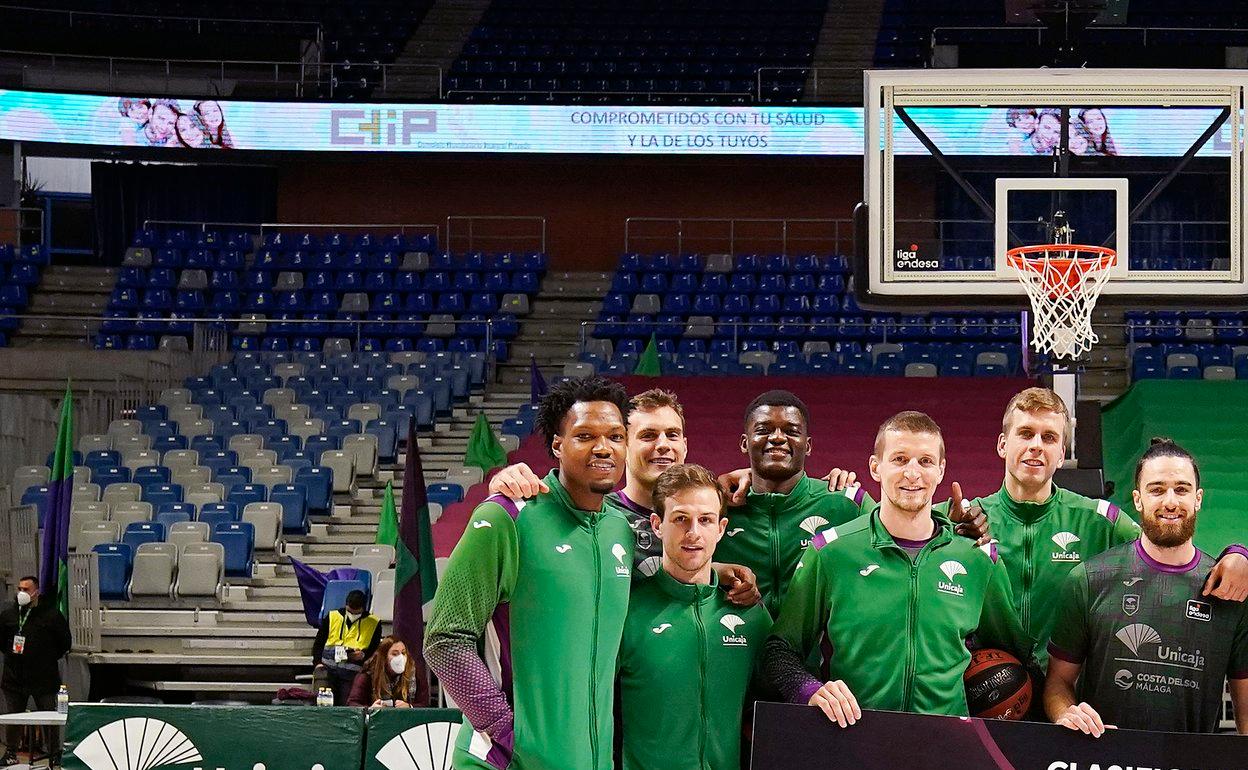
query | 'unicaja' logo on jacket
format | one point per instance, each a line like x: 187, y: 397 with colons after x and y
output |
x: 732, y: 638
x: 811, y: 524
x: 619, y: 552
x: 951, y: 569
x: 1064, y: 541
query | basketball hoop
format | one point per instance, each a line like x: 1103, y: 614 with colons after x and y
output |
x: 1062, y: 281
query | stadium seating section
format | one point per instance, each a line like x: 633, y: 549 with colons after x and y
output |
x: 1180, y: 35
x: 402, y: 294
x: 691, y: 51
x: 178, y: 498
x: 364, y: 34
x: 1188, y: 345
x: 20, y: 269
x: 775, y: 314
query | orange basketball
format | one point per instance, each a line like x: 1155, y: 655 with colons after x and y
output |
x: 997, y: 685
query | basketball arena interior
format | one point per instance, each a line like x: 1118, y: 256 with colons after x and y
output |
x: 284, y: 285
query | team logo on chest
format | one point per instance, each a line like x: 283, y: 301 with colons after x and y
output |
x: 1065, y: 541
x: 811, y: 524
x: 1131, y: 604
x: 951, y: 569
x: 619, y: 552
x: 732, y: 638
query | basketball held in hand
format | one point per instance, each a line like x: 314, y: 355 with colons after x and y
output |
x: 997, y: 685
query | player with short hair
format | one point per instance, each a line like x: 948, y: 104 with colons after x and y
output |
x: 544, y: 586
x: 1148, y: 649
x: 893, y: 595
x: 784, y: 507
x: 1042, y: 530
x: 688, y: 654
x: 656, y: 441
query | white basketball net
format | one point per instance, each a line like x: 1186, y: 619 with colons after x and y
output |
x: 1063, y: 285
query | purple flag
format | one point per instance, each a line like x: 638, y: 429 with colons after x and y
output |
x: 537, y: 383
x: 312, y: 587
x: 416, y: 577
x: 54, y: 558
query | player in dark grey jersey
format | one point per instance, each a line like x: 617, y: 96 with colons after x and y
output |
x: 1153, y: 652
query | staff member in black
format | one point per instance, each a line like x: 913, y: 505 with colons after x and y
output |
x: 33, y: 636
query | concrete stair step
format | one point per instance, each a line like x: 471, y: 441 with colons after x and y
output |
x: 67, y: 303
x: 231, y: 658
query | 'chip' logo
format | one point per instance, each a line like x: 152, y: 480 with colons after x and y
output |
x: 380, y: 126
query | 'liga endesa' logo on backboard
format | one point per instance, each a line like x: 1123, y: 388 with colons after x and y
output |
x: 910, y: 259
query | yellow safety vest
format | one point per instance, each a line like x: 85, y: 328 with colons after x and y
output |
x: 357, y: 636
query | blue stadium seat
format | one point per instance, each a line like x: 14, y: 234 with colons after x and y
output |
x: 232, y: 476
x: 115, y: 561
x: 336, y: 591
x: 152, y: 474
x: 139, y: 532
x: 213, y: 514
x: 156, y: 494
x: 319, y: 483
x: 242, y: 494
x: 238, y: 539
x: 294, y: 501
x: 445, y: 494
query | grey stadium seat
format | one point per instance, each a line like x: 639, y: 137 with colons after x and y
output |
x: 201, y: 494
x: 201, y: 567
x: 1199, y: 329
x: 343, y: 466
x: 137, y: 256
x: 172, y: 397
x: 191, y: 476
x: 29, y: 476
x: 364, y: 447
x: 93, y: 533
x: 701, y: 327
x: 810, y: 347
x: 578, y: 370
x: 383, y: 597
x: 304, y: 428
x: 403, y: 383
x: 128, y: 513
x: 465, y: 476
x: 291, y: 413
x: 153, y: 570
x: 275, y: 474
x: 993, y: 358
x: 286, y: 371
x: 267, y: 520
x: 763, y: 358
x: 288, y: 281
x: 510, y: 443
x: 188, y: 532
x: 354, y: 302
x: 516, y: 304
x: 91, y: 442
x: 241, y: 441
x: 1219, y: 373
x: 1181, y: 359
x: 336, y: 345
x: 920, y: 369
x: 279, y: 396
x: 258, y: 459
x: 253, y: 323
x: 364, y: 412
x: 193, y: 279
x: 86, y: 491
x: 140, y: 458
x: 88, y: 510
x: 177, y: 459
x: 124, y: 428
x: 122, y: 493
x: 374, y: 558
x: 646, y: 303
x: 719, y: 263
x: 440, y: 325
x: 880, y: 348
x: 133, y: 442
x: 414, y: 262
x: 407, y: 357
x: 197, y: 428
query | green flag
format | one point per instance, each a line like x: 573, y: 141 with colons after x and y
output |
x: 388, y: 528
x: 649, y: 365
x: 484, y: 451
x: 54, y: 556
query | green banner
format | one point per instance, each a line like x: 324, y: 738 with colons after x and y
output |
x: 411, y: 739
x: 1202, y: 415
x: 116, y: 737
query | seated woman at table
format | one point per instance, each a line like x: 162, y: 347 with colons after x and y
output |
x: 389, y: 678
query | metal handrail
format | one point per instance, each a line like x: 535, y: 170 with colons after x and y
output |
x: 472, y: 219
x: 222, y: 72
x: 1041, y: 30
x: 261, y: 226
x: 784, y: 236
x: 199, y: 20
x: 661, y: 95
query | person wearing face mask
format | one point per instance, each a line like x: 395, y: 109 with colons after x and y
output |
x: 389, y: 678
x: 34, y: 636
x: 347, y: 637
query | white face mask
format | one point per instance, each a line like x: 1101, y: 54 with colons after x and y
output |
x: 354, y: 616
x: 23, y: 598
x: 398, y: 663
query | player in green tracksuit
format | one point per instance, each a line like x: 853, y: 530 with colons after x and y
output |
x: 688, y: 653
x: 1148, y: 651
x: 894, y: 596
x: 784, y: 507
x: 1043, y: 530
x: 543, y: 588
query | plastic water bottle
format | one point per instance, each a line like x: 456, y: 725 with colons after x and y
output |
x: 62, y: 700
x: 324, y: 697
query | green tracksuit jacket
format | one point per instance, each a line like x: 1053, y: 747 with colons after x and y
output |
x: 769, y: 532
x: 1040, y: 543
x: 543, y: 587
x: 687, y: 657
x: 896, y: 627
